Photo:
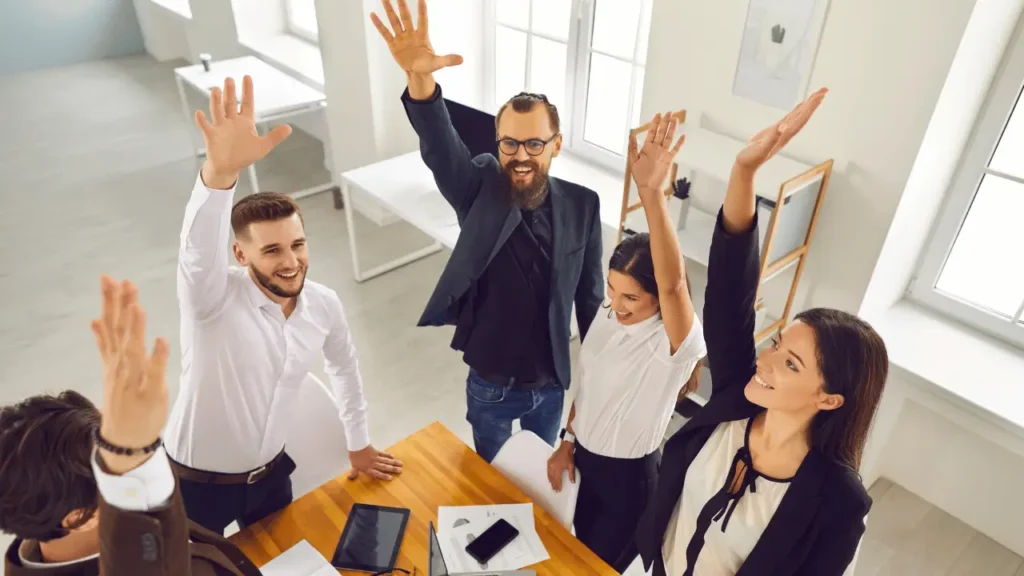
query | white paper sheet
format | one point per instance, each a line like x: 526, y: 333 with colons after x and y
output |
x: 458, y: 525
x: 299, y: 560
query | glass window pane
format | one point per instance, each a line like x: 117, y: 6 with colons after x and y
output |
x: 514, y: 13
x: 302, y: 16
x: 551, y: 18
x: 638, y: 95
x: 615, y: 24
x: 981, y: 267
x: 645, y: 33
x: 547, y: 71
x: 607, y: 102
x: 1009, y: 154
x: 510, y: 60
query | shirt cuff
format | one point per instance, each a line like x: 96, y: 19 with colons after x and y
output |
x: 146, y: 488
x: 433, y: 97
x: 357, y: 434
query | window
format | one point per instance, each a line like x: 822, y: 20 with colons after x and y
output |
x: 302, y: 19
x: 974, y: 268
x: 587, y: 56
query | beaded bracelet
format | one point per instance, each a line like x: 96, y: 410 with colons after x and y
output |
x: 100, y: 442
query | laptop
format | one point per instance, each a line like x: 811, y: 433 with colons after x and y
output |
x: 439, y: 568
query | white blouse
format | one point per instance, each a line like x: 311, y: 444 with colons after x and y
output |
x: 725, y: 549
x: 628, y: 384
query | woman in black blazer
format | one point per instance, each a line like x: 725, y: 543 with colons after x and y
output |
x: 763, y: 480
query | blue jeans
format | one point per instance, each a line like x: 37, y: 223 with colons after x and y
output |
x: 492, y: 408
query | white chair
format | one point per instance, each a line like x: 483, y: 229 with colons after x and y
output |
x: 524, y: 461
x: 316, y: 438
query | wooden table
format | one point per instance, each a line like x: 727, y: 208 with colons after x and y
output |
x: 440, y: 470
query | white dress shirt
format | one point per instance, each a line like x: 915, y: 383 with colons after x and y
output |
x: 148, y: 487
x: 629, y: 384
x: 243, y: 361
x: 723, y: 552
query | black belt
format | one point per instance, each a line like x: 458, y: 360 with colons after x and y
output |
x: 513, y: 382
x: 203, y: 477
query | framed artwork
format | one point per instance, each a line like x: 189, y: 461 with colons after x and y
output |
x: 780, y: 42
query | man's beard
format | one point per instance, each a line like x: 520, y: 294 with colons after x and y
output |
x: 275, y: 289
x: 532, y: 195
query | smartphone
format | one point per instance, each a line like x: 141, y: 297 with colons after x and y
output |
x: 492, y: 541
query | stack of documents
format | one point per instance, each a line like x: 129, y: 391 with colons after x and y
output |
x: 299, y: 560
x: 457, y: 526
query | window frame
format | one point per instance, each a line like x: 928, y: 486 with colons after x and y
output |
x: 578, y: 50
x: 296, y: 29
x: 1006, y: 92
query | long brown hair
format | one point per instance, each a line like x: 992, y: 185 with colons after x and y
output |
x: 853, y: 362
x: 633, y: 257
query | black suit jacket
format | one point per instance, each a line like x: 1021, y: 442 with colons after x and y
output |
x: 818, y: 525
x: 475, y: 188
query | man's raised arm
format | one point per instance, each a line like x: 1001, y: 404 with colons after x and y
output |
x: 232, y: 144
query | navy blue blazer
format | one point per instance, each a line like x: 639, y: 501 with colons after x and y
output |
x: 475, y: 188
x: 818, y: 525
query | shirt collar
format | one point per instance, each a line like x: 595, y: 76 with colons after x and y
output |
x: 259, y: 299
x: 31, y: 557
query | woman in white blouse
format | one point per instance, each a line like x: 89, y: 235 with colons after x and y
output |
x: 642, y: 348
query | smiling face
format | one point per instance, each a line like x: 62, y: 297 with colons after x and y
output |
x: 788, y: 377
x: 523, y: 122
x: 630, y: 302
x: 277, y: 254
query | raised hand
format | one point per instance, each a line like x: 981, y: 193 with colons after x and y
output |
x: 376, y: 465
x: 134, y: 389
x: 769, y: 141
x: 232, y: 142
x: 410, y: 46
x: 651, y: 164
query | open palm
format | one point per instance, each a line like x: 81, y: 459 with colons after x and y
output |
x: 651, y: 164
x: 410, y: 46
x: 769, y: 141
x: 232, y: 142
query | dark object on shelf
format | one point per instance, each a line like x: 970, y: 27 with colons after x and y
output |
x: 778, y: 34
x: 681, y: 188
x: 205, y: 59
x: 339, y: 200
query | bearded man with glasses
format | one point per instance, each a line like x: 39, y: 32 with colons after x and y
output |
x: 529, y: 247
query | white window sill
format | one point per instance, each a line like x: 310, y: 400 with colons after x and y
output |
x: 958, y: 363
x: 180, y: 8
x: 299, y: 56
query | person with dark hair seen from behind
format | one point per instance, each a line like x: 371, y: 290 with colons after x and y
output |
x: 643, y: 348
x: 251, y: 333
x: 763, y: 479
x: 86, y: 494
x: 529, y: 246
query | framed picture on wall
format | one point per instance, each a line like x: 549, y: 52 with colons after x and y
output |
x: 780, y: 43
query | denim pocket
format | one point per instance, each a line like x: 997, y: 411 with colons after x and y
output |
x: 482, y: 391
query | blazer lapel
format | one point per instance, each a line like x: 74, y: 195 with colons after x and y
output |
x: 790, y: 522
x: 559, y: 212
x: 512, y: 218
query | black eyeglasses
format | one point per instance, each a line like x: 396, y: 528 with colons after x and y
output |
x: 534, y: 146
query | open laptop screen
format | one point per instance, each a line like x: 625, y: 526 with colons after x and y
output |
x: 437, y: 565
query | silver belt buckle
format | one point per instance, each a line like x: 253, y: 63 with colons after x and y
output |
x: 250, y: 481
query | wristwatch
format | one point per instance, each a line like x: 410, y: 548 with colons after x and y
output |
x: 567, y: 436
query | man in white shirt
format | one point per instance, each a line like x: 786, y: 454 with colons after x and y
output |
x: 88, y: 495
x: 250, y: 334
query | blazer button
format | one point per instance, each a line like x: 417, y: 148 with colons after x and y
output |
x: 150, y: 548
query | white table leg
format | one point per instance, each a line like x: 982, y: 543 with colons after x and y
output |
x: 197, y: 148
x: 361, y: 276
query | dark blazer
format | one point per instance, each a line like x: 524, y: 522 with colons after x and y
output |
x: 149, y: 544
x: 820, y: 521
x: 475, y: 188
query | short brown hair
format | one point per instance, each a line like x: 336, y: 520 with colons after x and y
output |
x: 262, y: 207
x: 524, y: 102
x: 45, y: 468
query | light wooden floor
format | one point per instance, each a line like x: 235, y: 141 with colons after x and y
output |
x: 95, y: 170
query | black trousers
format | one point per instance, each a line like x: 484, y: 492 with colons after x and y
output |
x: 613, y: 495
x: 215, y: 506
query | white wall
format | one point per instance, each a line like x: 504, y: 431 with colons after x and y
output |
x: 885, y: 63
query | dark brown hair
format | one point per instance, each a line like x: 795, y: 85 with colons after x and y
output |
x: 853, y: 362
x: 45, y: 472
x: 261, y: 207
x: 524, y: 102
x: 633, y: 258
